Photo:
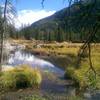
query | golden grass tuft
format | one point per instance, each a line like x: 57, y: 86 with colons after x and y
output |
x: 20, y: 77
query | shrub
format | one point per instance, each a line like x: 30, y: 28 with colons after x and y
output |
x: 20, y: 77
x: 83, y: 78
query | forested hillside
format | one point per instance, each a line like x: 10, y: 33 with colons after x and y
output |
x: 66, y: 24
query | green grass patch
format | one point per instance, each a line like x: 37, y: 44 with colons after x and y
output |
x: 20, y: 77
x: 84, y: 76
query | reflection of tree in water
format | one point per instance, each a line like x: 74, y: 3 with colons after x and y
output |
x: 5, y: 52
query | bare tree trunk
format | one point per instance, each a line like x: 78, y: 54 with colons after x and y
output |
x: 90, y: 61
x: 87, y: 44
x: 2, y: 35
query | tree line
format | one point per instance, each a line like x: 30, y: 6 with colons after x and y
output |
x: 74, y: 26
x: 64, y: 26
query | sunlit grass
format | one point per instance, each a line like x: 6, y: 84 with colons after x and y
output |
x: 65, y: 54
x: 84, y: 75
x: 20, y: 77
x: 54, y: 49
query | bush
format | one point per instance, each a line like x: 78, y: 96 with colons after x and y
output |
x: 83, y: 78
x: 20, y: 77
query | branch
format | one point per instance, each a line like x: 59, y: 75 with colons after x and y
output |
x: 42, y: 3
x: 87, y: 44
x: 90, y: 61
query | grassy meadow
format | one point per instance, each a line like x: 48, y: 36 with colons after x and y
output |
x: 64, y: 56
x: 83, y: 75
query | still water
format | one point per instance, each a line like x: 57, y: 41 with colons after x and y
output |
x: 20, y: 57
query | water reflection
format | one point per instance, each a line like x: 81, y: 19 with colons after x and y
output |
x: 20, y: 57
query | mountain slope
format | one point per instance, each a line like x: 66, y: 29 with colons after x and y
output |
x: 70, y: 24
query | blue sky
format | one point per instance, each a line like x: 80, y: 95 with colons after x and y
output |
x: 36, y: 4
x: 30, y: 11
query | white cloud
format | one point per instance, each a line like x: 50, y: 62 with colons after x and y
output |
x: 27, y: 17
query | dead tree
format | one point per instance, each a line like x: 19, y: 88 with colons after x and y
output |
x: 2, y: 34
